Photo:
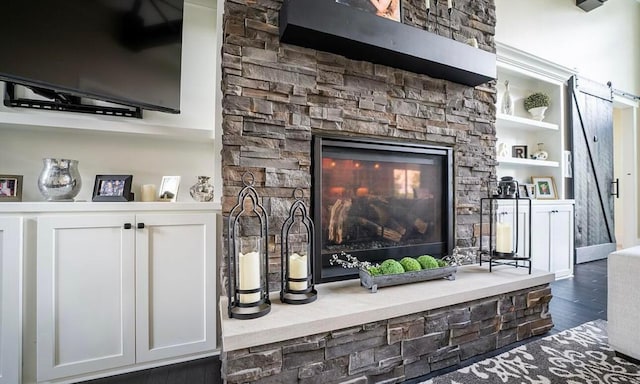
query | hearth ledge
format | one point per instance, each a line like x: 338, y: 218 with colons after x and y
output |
x: 345, y: 304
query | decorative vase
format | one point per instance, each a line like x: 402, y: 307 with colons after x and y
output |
x: 59, y: 179
x: 507, y: 102
x: 202, y: 190
x: 540, y: 154
x: 537, y: 113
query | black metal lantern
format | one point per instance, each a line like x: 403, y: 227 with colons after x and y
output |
x: 297, y: 255
x: 501, y: 244
x: 248, y: 288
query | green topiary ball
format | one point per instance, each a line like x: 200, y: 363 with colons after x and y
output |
x: 374, y: 271
x: 535, y: 100
x: 410, y: 264
x: 428, y: 262
x: 441, y: 263
x: 390, y: 267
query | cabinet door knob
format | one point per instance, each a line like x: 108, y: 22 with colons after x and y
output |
x: 140, y: 225
x: 127, y: 225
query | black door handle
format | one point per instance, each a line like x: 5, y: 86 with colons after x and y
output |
x: 127, y: 225
x: 140, y: 225
x: 617, y: 188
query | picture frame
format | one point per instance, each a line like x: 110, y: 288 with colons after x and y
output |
x: 112, y: 188
x: 532, y: 190
x: 545, y: 187
x: 393, y: 11
x: 169, y: 188
x: 10, y: 188
x: 519, y: 151
x: 524, y: 191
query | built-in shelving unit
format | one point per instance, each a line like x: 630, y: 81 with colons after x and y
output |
x: 332, y: 27
x: 527, y: 74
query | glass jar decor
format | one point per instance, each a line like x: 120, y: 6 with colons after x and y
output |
x: 202, y: 190
x: 59, y: 179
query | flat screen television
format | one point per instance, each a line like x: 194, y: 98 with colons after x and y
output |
x: 122, y: 51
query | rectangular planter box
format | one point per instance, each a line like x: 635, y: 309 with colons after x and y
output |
x: 375, y: 282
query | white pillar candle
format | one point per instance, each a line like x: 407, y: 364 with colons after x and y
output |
x: 449, y: 4
x: 504, y: 238
x: 249, y: 276
x: 297, y: 270
x: 427, y: 4
x: 148, y: 192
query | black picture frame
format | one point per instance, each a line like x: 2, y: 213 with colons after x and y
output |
x: 519, y: 151
x: 10, y: 188
x: 112, y: 188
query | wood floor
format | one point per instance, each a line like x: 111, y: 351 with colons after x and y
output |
x: 575, y: 301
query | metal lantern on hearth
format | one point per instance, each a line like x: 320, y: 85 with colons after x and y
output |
x: 502, y: 229
x: 296, y: 252
x: 247, y: 263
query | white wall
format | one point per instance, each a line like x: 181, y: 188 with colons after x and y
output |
x: 603, y: 45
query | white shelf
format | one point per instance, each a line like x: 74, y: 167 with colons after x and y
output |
x: 528, y: 162
x: 510, y: 121
x: 73, y: 123
x: 86, y: 206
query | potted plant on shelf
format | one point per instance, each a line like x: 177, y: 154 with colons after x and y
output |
x: 536, y: 104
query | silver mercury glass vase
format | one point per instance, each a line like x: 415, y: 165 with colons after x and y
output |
x: 202, y: 190
x: 59, y: 179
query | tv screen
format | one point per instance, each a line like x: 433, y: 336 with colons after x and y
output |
x: 122, y: 51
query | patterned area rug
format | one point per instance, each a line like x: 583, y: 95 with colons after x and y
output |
x: 577, y: 355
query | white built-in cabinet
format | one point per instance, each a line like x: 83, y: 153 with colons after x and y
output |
x: 116, y: 290
x: 551, y: 230
x: 552, y: 238
x: 10, y: 299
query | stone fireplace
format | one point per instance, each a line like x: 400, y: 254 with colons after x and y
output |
x: 277, y: 97
x: 379, y: 200
x: 281, y: 102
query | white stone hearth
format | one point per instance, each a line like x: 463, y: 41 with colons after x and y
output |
x: 345, y: 304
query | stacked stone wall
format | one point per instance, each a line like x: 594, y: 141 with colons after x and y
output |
x: 394, y: 350
x: 276, y: 96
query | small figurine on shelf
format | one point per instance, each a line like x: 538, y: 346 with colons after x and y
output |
x: 540, y: 154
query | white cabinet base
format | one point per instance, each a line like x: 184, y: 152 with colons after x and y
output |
x: 10, y: 300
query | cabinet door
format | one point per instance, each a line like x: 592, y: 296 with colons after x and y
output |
x: 540, y: 239
x: 561, y: 240
x: 85, y: 294
x: 175, y: 282
x: 10, y: 299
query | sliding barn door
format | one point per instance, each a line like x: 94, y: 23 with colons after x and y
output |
x: 591, y: 121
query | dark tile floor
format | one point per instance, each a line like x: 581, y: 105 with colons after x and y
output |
x: 576, y: 300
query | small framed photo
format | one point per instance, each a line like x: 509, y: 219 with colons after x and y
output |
x: 524, y: 191
x: 519, y: 151
x: 169, y: 188
x: 545, y: 187
x: 112, y: 188
x: 532, y: 190
x: 10, y: 188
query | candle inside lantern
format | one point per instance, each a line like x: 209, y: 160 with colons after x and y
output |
x: 297, y: 270
x: 504, y: 238
x: 249, y: 276
x: 148, y: 192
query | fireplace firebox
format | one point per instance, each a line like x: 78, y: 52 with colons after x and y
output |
x: 379, y: 200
